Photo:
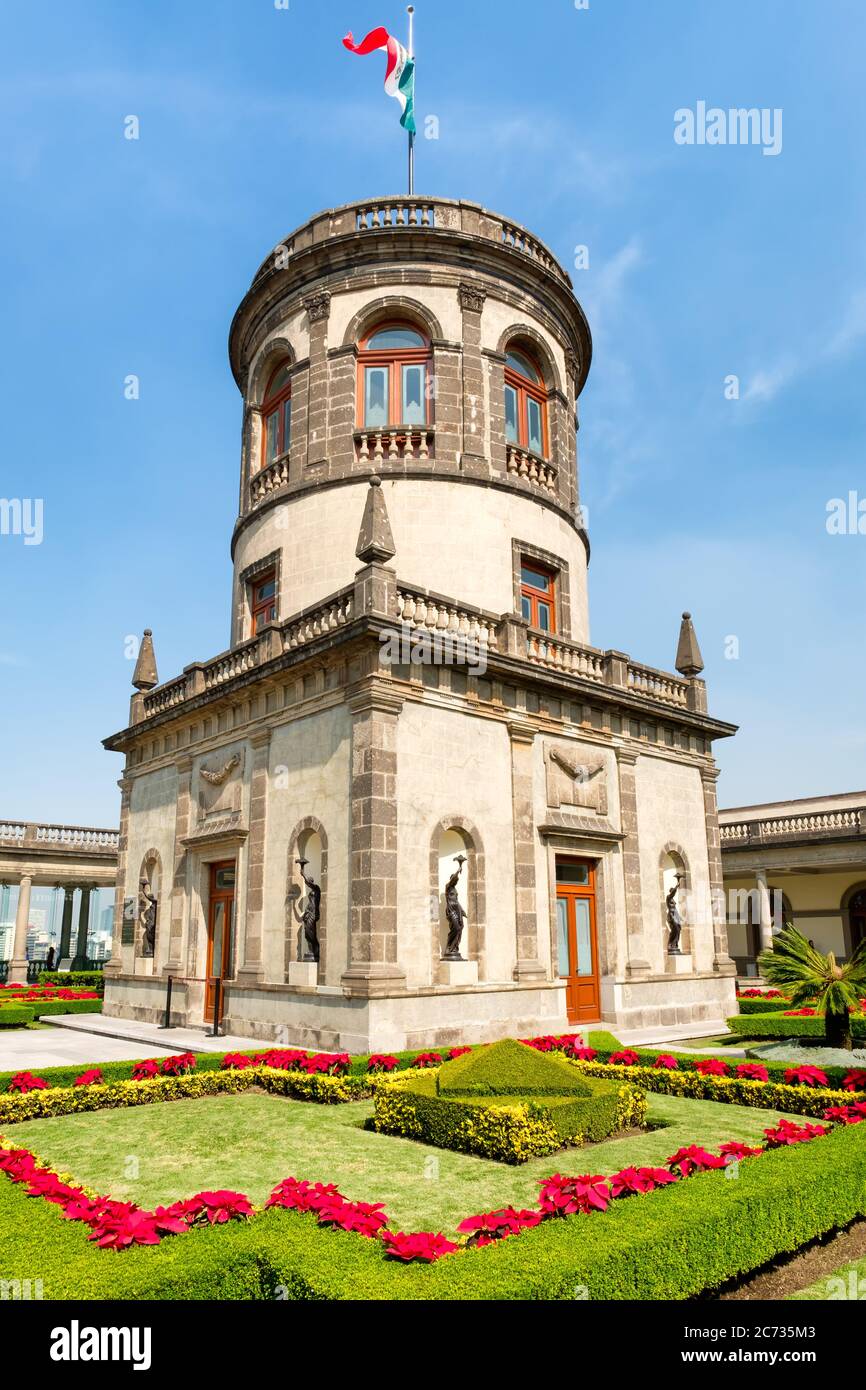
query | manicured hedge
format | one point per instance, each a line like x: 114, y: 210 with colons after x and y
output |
x: 15, y: 1015
x: 728, y: 1090
x: 686, y: 1062
x: 86, y: 979
x: 763, y: 1006
x: 671, y: 1245
x: 776, y: 1025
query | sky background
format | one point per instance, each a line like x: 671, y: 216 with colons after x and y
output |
x: 121, y: 257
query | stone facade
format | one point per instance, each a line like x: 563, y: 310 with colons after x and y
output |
x: 340, y: 731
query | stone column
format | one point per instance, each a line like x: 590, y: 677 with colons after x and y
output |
x: 318, y: 307
x: 79, y: 961
x: 18, y: 963
x: 255, y: 897
x: 472, y: 299
x: 115, y: 964
x: 722, y: 962
x: 373, y: 968
x: 182, y: 827
x: 765, y: 917
x: 527, y: 966
x: 637, y: 962
x: 66, y: 925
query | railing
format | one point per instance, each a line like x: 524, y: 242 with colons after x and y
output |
x: 814, y: 825
x: 562, y: 655
x: 434, y: 613
x: 234, y: 663
x: 272, y: 478
x: 523, y: 464
x: 165, y: 697
x: 316, y: 622
x: 657, y: 685
x: 433, y: 215
x: 404, y: 442
x: 35, y: 968
x: 64, y: 836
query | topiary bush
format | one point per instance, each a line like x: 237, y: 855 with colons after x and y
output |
x: 777, y: 1025
x: 15, y: 1015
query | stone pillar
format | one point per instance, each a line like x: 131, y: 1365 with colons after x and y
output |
x: 115, y: 964
x: 722, y: 962
x: 182, y: 827
x: 255, y: 897
x: 318, y: 307
x: 373, y: 968
x: 637, y: 956
x: 472, y: 299
x: 18, y: 963
x: 765, y: 914
x: 527, y: 966
x: 66, y: 926
x: 79, y: 960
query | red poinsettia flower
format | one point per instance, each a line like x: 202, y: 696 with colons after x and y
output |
x: 805, y: 1076
x: 666, y: 1061
x: 752, y: 1071
x: 736, y: 1151
x: 787, y: 1132
x: 177, y: 1066
x: 119, y: 1232
x: 282, y: 1059
x: 422, y: 1245
x: 584, y: 1054
x: 455, y: 1052
x: 854, y: 1080
x: 561, y: 1196
x: 89, y: 1078
x: 427, y: 1059
x: 382, y: 1061
x: 236, y: 1061
x: 627, y: 1058
x: 846, y: 1114
x: 712, y: 1066
x: 299, y: 1195
x: 219, y: 1207
x: 24, y: 1081
x: 639, y: 1180
x: 693, y: 1159
x: 543, y: 1044
x: 143, y: 1071
x: 365, y: 1218
x: 800, y: 1013
x: 496, y: 1225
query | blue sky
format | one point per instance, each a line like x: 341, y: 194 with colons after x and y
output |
x: 122, y: 257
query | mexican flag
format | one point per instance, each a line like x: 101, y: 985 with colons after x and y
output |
x: 399, y: 70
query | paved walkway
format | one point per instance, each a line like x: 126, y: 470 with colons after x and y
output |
x: 148, y: 1036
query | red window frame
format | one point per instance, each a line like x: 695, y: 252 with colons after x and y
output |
x: 395, y: 359
x: 537, y: 596
x: 263, y: 610
x: 274, y: 405
x: 526, y: 389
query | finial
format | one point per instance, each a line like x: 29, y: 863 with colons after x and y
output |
x: 375, y: 541
x: 689, y: 661
x: 145, y: 677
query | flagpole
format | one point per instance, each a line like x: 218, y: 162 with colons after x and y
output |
x: 411, y: 13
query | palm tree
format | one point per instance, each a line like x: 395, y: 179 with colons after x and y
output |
x: 808, y: 976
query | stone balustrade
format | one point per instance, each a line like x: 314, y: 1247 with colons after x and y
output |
x: 413, y: 442
x: 816, y: 824
x: 433, y: 613
x: 521, y: 463
x: 562, y: 655
x: 658, y: 685
x: 165, y: 697
x: 233, y: 663
x: 272, y: 478
x: 24, y: 833
x: 401, y: 212
x: 319, y: 621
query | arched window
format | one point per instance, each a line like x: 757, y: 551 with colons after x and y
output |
x: 525, y: 402
x: 277, y: 415
x: 393, y: 366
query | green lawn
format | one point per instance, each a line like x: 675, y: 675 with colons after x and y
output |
x: 838, y: 1285
x: 157, y: 1153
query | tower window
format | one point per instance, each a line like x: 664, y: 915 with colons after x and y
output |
x: 277, y: 415
x: 525, y: 403
x: 393, y: 368
x: 263, y: 600
x: 538, y: 595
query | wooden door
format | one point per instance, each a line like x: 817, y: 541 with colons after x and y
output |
x: 577, y: 940
x: 220, y: 933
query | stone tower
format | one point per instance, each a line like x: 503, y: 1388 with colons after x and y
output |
x: 409, y: 692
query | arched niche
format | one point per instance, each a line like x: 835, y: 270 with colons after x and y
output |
x: 309, y: 841
x: 673, y: 861
x: 151, y: 870
x: 452, y: 836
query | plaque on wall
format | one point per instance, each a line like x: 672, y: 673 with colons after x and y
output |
x: 127, y: 929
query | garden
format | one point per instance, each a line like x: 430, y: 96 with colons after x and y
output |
x: 548, y: 1168
x: 69, y: 992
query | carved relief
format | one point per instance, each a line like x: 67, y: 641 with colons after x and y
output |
x: 472, y: 297
x: 219, y: 788
x: 575, y: 781
x: 318, y: 306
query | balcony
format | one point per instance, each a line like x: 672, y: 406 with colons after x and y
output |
x: 774, y: 830
x: 404, y: 443
x: 522, y: 463
x: 272, y: 478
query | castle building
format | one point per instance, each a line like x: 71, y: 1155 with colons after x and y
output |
x: 409, y: 693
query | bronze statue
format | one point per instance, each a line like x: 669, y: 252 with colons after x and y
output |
x: 147, y: 905
x: 309, y: 918
x: 675, y: 921
x: 454, y: 913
